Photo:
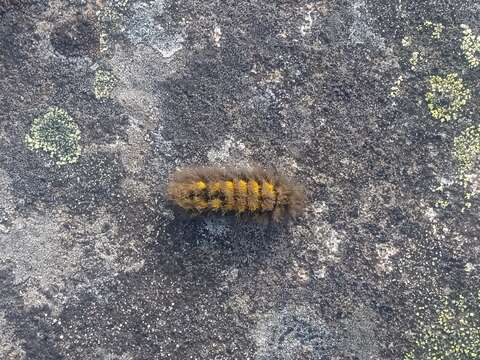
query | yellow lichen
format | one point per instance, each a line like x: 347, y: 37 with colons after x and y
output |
x: 407, y: 41
x: 437, y: 28
x: 442, y: 203
x: 446, y: 96
x: 57, y: 134
x: 470, y: 46
x: 466, y: 150
x: 454, y: 333
x: 104, y: 84
x: 414, y: 58
x: 395, y: 89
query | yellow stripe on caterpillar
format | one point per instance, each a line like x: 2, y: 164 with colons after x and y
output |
x: 215, y: 204
x: 253, y: 199
x: 229, y: 194
x: 199, y: 203
x: 268, y: 196
x: 200, y: 185
x: 214, y: 188
x: 241, y: 195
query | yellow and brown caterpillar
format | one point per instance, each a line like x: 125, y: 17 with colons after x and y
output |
x: 250, y: 191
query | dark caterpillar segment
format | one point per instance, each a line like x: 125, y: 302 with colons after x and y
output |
x: 252, y: 191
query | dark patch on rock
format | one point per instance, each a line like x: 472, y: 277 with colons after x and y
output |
x: 208, y: 245
x: 17, y: 39
x: 77, y: 37
x: 32, y: 328
x: 94, y: 183
x: 26, y: 7
x: 9, y: 297
x: 146, y: 314
x: 91, y: 182
x: 40, y: 335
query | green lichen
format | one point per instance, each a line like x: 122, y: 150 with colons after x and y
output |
x: 446, y: 97
x: 57, y: 134
x: 470, y: 46
x: 453, y: 334
x: 466, y: 151
x: 104, y: 84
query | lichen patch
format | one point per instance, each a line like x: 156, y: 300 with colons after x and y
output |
x: 447, y: 96
x: 57, y: 134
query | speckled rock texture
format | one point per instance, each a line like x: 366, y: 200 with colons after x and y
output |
x: 372, y: 105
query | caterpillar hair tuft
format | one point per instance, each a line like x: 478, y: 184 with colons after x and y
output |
x: 246, y: 191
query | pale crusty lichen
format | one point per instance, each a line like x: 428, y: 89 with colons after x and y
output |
x: 446, y: 97
x: 217, y: 35
x: 395, y: 89
x: 104, y: 41
x: 104, y: 84
x: 110, y: 19
x: 120, y: 5
x: 414, y: 58
x: 442, y: 203
x: 437, y: 28
x: 470, y: 46
x: 466, y: 150
x: 406, y: 41
x: 454, y: 333
x: 112, y: 12
x: 57, y: 134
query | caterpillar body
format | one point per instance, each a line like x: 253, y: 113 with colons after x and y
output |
x: 245, y: 191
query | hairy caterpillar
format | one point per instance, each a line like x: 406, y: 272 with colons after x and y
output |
x: 250, y: 191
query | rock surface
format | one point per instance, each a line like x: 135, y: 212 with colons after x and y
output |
x: 372, y: 105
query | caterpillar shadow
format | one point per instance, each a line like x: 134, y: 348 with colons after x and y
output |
x: 203, y: 247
